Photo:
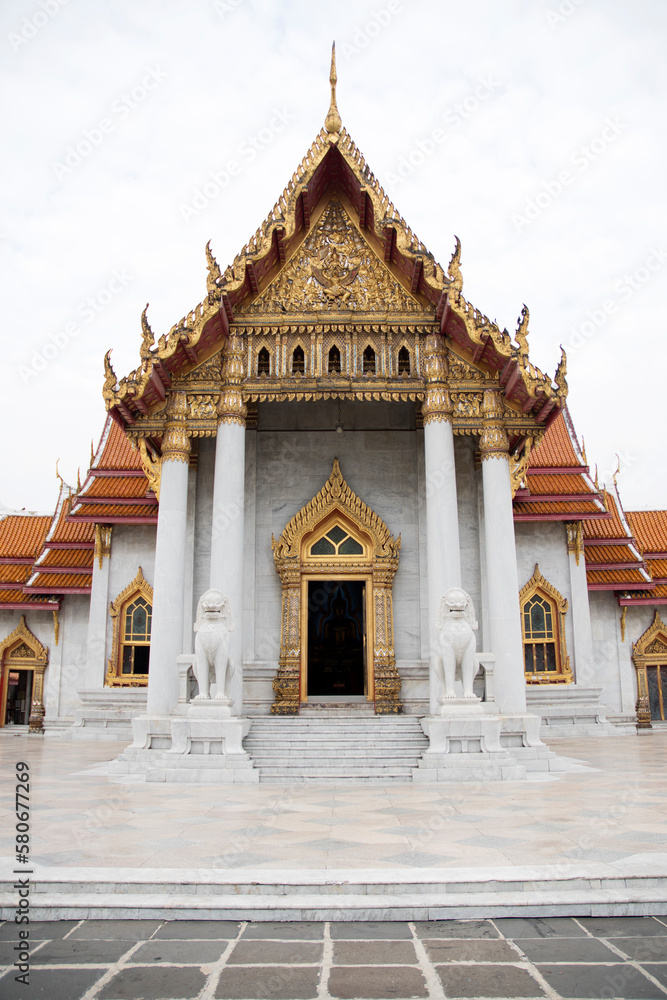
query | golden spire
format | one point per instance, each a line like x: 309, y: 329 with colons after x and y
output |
x: 332, y: 122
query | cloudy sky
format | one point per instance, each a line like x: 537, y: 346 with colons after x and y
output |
x: 533, y: 129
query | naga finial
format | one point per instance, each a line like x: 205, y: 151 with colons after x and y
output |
x: 561, y: 372
x: 332, y: 122
x: 454, y: 271
x: 616, y: 474
x: 110, y: 379
x: 147, y: 337
x: 522, y: 332
x: 58, y: 476
x: 214, y: 273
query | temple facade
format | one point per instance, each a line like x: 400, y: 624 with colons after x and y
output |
x: 333, y: 440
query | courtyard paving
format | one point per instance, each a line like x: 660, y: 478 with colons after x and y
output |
x: 613, y: 807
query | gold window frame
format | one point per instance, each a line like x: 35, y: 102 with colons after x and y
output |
x: 650, y: 650
x: 138, y: 588
x: 539, y: 586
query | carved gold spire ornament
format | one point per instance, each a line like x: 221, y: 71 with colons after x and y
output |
x: 147, y: 337
x: 214, y: 274
x: 110, y: 380
x: 332, y: 122
x: 522, y: 335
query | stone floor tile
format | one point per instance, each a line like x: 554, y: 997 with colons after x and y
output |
x: 52, y: 984
x: 70, y: 952
x: 276, y: 952
x: 567, y: 950
x: 611, y: 927
x: 40, y: 930
x: 658, y: 972
x: 363, y: 930
x: 455, y: 929
x: 269, y: 983
x: 419, y: 859
x: 488, y: 981
x: 538, y: 927
x: 470, y: 951
x: 206, y: 930
x: 116, y: 930
x: 180, y: 952
x: 290, y: 931
x: 652, y: 948
x: 586, y: 982
x: 374, y: 952
x: 153, y: 983
x: 376, y: 983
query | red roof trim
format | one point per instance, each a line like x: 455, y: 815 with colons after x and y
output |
x: 619, y: 586
x: 42, y: 568
x: 16, y: 560
x: 64, y: 590
x: 104, y: 519
x: 557, y: 470
x: 569, y: 516
x: 20, y: 605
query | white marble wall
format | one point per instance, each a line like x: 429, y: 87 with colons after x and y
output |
x: 613, y: 656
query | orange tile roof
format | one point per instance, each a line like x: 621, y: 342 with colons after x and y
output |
x: 66, y: 557
x: 22, y: 535
x: 559, y: 446
x: 619, y: 576
x: 102, y: 511
x: 610, y: 553
x: 114, y: 450
x: 18, y: 597
x: 61, y: 581
x: 14, y: 574
x: 656, y: 596
x: 650, y: 529
x: 576, y: 508
x: 132, y: 486
x: 558, y: 484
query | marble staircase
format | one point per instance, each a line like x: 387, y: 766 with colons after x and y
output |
x: 344, y: 742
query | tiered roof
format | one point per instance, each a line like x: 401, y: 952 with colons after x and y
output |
x: 614, y: 559
x: 65, y: 564
x: 21, y: 539
x: 116, y: 490
x: 558, y: 482
x: 650, y: 529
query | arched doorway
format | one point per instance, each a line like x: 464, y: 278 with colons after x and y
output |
x: 336, y: 560
x: 649, y: 655
x: 24, y: 660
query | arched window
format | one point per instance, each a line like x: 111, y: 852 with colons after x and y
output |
x: 298, y: 361
x: 334, y: 360
x: 649, y: 655
x: 543, y: 612
x: 135, y: 640
x: 404, y: 361
x: 131, y: 614
x: 369, y: 361
x: 336, y: 542
x: 263, y: 362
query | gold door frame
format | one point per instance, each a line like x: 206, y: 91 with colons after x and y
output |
x: 367, y: 578
x: 377, y: 565
x: 22, y: 650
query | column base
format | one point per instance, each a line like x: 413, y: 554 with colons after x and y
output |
x: 465, y: 748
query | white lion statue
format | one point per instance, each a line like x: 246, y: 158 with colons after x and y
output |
x: 456, y: 624
x: 212, y: 627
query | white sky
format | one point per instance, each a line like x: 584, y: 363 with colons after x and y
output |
x: 521, y: 90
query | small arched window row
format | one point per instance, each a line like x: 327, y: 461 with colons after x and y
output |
x: 368, y: 361
x: 263, y: 362
x: 298, y: 361
x: 404, y: 366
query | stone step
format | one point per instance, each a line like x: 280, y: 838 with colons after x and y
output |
x: 347, y: 764
x: 340, y: 745
x: 623, y: 888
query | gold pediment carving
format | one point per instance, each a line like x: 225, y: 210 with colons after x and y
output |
x: 334, y: 270
x: 24, y: 645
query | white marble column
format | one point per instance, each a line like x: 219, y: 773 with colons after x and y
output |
x: 584, y: 663
x: 442, y: 525
x: 98, y: 614
x: 502, y: 582
x: 227, y: 529
x: 168, y: 592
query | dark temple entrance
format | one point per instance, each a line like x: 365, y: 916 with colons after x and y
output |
x: 336, y: 638
x: 19, y: 692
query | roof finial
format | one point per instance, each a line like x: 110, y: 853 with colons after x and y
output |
x: 332, y: 122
